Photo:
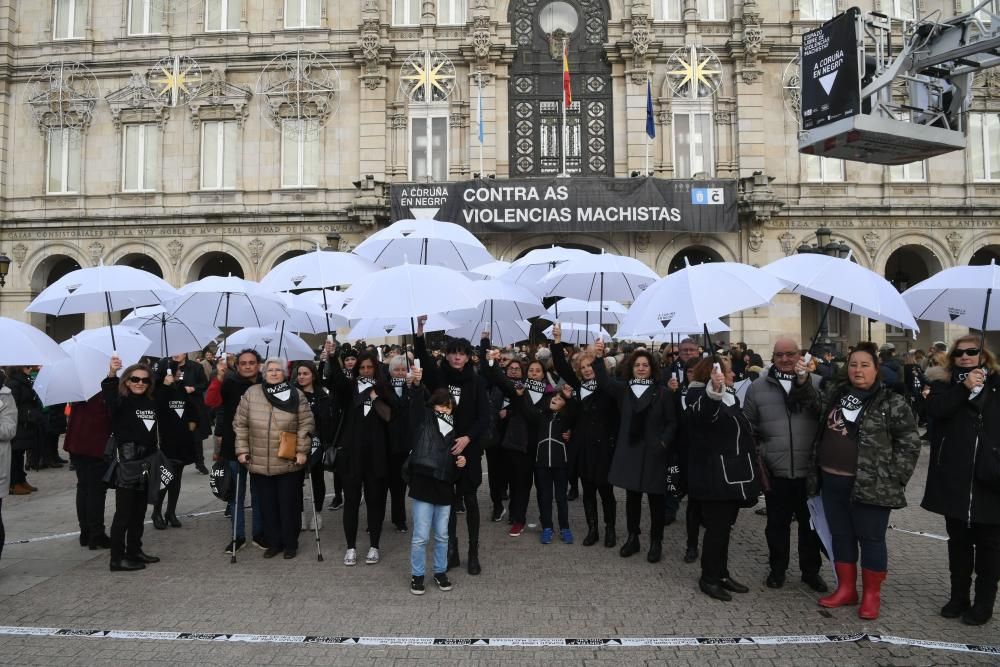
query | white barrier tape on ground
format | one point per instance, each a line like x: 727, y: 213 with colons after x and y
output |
x: 76, y: 533
x: 546, y: 642
x: 943, y: 538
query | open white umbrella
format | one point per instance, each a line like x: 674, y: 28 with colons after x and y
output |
x: 529, y: 270
x: 100, y: 289
x: 675, y: 331
x: 489, y: 270
x: 409, y: 291
x: 24, y: 345
x: 586, y: 312
x: 79, y: 376
x: 502, y: 301
x: 962, y: 295
x: 426, y: 241
x: 579, y: 334
x: 228, y: 302
x: 841, y: 283
x: 167, y: 334
x: 307, y: 315
x: 379, y: 327
x: 697, y: 295
x: 502, y: 333
x: 271, y: 342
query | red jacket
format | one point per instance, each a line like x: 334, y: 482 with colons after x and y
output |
x: 89, y: 428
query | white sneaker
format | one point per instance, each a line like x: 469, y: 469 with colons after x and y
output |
x: 372, y: 557
x: 351, y: 557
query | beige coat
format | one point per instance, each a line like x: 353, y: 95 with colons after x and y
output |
x: 258, y: 427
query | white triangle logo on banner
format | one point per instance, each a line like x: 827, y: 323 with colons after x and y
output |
x: 150, y: 423
x: 827, y: 81
x: 639, y: 389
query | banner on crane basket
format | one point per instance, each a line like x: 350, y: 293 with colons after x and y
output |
x: 831, y: 85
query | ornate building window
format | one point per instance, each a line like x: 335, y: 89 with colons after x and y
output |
x: 140, y: 157
x: 821, y: 10
x: 63, y: 157
x: 302, y: 14
x: 451, y: 12
x: 694, y: 149
x: 903, y: 9
x: 912, y: 172
x: 299, y: 154
x: 541, y: 30
x: 218, y: 155
x: 69, y: 19
x: 984, y: 145
x: 668, y: 10
x: 823, y: 169
x: 429, y: 143
x: 712, y: 10
x: 144, y: 18
x: 406, y: 12
x: 222, y: 15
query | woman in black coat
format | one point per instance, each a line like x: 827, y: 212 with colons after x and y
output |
x: 363, y: 458
x: 720, y: 468
x: 307, y: 380
x: 177, y: 415
x: 593, y: 438
x: 962, y: 475
x: 645, y: 432
x: 30, y: 426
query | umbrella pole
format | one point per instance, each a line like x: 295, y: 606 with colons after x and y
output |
x: 869, y: 329
x: 982, y: 332
x: 163, y: 323
x: 708, y: 341
x: 600, y: 313
x: 111, y: 326
x: 225, y: 323
x: 822, y: 323
x: 281, y: 337
x: 326, y: 312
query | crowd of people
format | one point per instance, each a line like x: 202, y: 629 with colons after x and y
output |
x: 809, y: 434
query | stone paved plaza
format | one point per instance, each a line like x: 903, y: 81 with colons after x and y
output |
x: 525, y: 590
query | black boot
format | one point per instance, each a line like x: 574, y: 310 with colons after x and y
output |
x: 981, y: 610
x: 126, y: 565
x: 159, y: 522
x: 172, y: 519
x: 631, y: 546
x: 453, y: 559
x: 100, y: 541
x: 655, y: 552
x: 84, y: 537
x: 959, y: 601
x: 592, y: 535
x: 610, y: 538
x: 473, y: 562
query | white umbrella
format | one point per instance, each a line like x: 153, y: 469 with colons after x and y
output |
x: 378, y: 327
x: 586, y: 312
x: 697, y: 295
x: 271, y: 342
x: 960, y: 295
x: 228, y: 302
x: 502, y: 301
x: 307, y: 315
x: 24, y: 345
x: 489, y: 270
x: 329, y: 300
x: 502, y: 333
x: 675, y: 331
x: 167, y: 334
x: 429, y: 242
x: 79, y: 376
x: 599, y: 278
x: 579, y: 334
x: 529, y: 270
x: 409, y: 290
x: 843, y: 284
x: 102, y: 288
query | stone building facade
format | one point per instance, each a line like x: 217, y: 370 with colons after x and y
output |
x: 198, y: 137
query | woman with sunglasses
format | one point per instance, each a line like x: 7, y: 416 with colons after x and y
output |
x: 963, y: 408
x: 133, y: 426
x: 863, y: 456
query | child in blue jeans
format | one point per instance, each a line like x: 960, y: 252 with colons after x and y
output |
x: 432, y: 470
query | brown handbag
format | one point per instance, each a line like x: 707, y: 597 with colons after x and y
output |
x: 288, y: 445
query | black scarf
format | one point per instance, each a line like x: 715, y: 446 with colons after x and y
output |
x: 535, y: 387
x: 779, y: 376
x: 282, y: 396
x: 959, y: 375
x: 640, y: 410
x: 852, y: 404
x: 398, y: 384
x: 446, y: 424
x: 587, y: 387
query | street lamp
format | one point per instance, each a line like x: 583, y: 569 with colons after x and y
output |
x: 4, y: 268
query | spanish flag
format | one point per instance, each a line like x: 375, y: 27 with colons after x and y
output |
x: 567, y: 89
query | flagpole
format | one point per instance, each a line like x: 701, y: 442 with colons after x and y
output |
x: 479, y: 81
x: 646, y: 170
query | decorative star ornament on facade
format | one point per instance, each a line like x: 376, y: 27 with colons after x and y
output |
x: 175, y: 79
x: 427, y: 76
x: 694, y: 74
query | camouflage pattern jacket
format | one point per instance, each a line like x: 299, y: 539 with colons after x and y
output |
x: 888, y: 446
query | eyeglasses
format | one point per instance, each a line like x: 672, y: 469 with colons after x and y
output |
x: 139, y: 380
x: 968, y: 351
x: 788, y: 355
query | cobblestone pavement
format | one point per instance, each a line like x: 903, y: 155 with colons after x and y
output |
x: 526, y: 590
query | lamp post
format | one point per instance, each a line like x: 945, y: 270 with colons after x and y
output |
x: 4, y: 268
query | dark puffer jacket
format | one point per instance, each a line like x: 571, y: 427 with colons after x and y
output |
x: 721, y: 448
x: 30, y: 417
x: 957, y: 441
x: 785, y: 424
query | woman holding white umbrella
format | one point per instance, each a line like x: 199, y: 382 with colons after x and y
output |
x: 646, y: 431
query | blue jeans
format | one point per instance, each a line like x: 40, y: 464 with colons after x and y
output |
x: 424, y: 515
x: 853, y: 524
x: 256, y: 522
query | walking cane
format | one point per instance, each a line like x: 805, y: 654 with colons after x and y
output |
x: 237, y: 506
x: 309, y: 489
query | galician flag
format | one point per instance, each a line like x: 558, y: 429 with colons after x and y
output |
x: 650, y: 126
x: 567, y: 89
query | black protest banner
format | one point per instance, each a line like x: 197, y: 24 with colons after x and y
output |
x: 831, y: 86
x: 577, y: 204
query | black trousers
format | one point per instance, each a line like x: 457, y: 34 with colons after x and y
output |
x: 3, y: 533
x: 547, y: 480
x: 17, y: 475
x: 126, y: 527
x: 657, y: 514
x: 718, y: 517
x: 172, y: 492
x: 974, y: 548
x: 317, y: 477
x: 278, y: 499
x: 471, y: 501
x: 496, y: 473
x: 519, y: 472
x: 374, y: 491
x: 694, y: 520
x: 397, y: 488
x: 608, y: 503
x: 787, y: 499
x: 91, y: 494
